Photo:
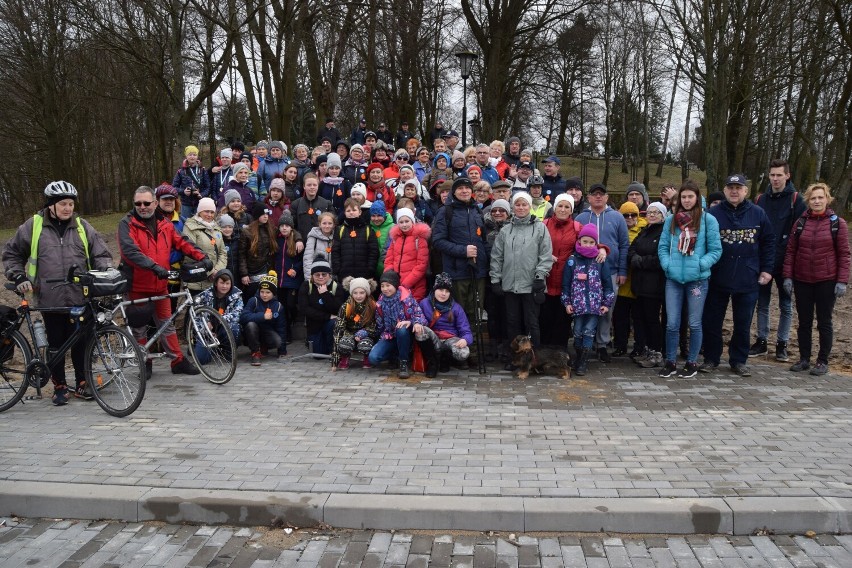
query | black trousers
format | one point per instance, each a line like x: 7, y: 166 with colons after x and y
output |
x: 624, y: 312
x: 554, y: 322
x: 522, y: 316
x: 649, y: 322
x: 59, y: 328
x: 819, y: 297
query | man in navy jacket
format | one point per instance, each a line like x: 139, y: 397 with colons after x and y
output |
x: 748, y: 256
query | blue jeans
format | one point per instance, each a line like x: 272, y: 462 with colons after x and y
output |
x: 323, y: 340
x: 695, y: 293
x: 785, y: 305
x: 585, y: 328
x: 387, y: 348
x: 742, y: 307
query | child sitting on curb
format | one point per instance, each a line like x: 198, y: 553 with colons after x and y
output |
x: 355, y: 327
x: 263, y: 320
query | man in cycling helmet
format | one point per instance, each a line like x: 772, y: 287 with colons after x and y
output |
x: 45, y: 248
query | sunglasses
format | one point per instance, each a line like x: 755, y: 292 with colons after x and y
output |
x: 143, y: 203
x: 630, y: 215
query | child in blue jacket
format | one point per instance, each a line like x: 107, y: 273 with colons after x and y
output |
x: 288, y: 262
x: 587, y: 293
x: 263, y: 322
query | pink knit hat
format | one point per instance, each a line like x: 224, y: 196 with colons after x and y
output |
x: 588, y: 231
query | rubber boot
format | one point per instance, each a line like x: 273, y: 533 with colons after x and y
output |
x: 343, y: 364
x: 430, y: 357
x: 582, y: 362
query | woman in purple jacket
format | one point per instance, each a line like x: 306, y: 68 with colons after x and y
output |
x: 449, y: 328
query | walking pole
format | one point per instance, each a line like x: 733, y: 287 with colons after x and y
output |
x: 480, y: 352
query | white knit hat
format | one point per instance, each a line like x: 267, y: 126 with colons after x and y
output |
x: 564, y: 197
x: 522, y: 195
x: 405, y: 212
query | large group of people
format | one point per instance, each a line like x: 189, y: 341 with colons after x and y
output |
x: 389, y: 249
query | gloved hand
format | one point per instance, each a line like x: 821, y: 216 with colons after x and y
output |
x: 22, y: 284
x: 788, y: 286
x: 839, y: 290
x: 497, y: 288
x: 538, y: 286
x: 539, y: 297
x: 636, y: 261
x: 161, y: 272
x: 207, y: 264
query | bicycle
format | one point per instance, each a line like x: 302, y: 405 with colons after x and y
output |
x: 113, y: 362
x: 211, y: 342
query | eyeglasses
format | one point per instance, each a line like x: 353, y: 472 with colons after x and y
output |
x: 403, y: 158
x: 630, y: 215
x: 653, y: 212
x: 143, y: 203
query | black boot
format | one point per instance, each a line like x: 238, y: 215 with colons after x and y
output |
x: 582, y: 362
x: 444, y: 362
x: 404, y: 373
x: 430, y: 356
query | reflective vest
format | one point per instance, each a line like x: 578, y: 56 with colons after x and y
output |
x: 38, y: 224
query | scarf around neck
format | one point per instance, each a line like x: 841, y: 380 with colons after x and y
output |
x: 686, y: 241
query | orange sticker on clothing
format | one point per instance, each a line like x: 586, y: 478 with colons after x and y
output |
x: 378, y: 233
x: 311, y: 211
x: 547, y: 198
x: 353, y: 234
x: 339, y: 193
x: 213, y: 242
x: 357, y: 318
x: 221, y: 312
x: 327, y: 249
x: 478, y: 232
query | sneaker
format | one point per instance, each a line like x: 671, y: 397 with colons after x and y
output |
x: 255, y: 358
x: 802, y: 365
x: 60, y: 395
x: 741, y: 369
x: 83, y: 391
x: 708, y: 367
x: 343, y: 364
x: 604, y: 356
x: 668, y: 369
x: 781, y: 351
x: 820, y: 368
x: 149, y: 369
x: 184, y: 367
x: 654, y: 359
x: 759, y: 348
x: 689, y: 370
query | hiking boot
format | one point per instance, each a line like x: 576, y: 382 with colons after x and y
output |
x: 654, y: 359
x: 581, y: 365
x: 60, y: 395
x: 781, y: 351
x: 83, y: 391
x: 708, y: 367
x: 742, y: 369
x: 343, y: 364
x: 184, y: 367
x: 689, y: 370
x: 255, y: 358
x: 404, y: 371
x: 820, y: 368
x: 668, y: 369
x: 149, y: 369
x: 759, y: 348
x: 802, y: 365
x: 604, y: 356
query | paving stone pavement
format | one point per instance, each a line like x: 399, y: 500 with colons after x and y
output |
x: 295, y: 426
x: 51, y: 543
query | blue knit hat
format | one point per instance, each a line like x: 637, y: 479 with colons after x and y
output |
x: 378, y: 208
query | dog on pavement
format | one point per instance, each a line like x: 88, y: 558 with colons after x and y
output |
x: 540, y: 361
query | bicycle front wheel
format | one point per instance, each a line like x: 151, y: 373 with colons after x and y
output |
x: 211, y: 344
x: 116, y: 370
x: 15, y: 356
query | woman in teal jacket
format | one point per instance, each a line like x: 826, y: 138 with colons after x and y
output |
x: 689, y: 247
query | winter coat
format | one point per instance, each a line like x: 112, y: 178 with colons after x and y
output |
x: 277, y: 209
x: 284, y: 264
x: 292, y: 191
x: 141, y: 251
x: 56, y: 255
x: 210, y: 242
x: 192, y: 178
x: 813, y: 256
x: 540, y: 209
x: 782, y: 210
x: 247, y: 196
x: 354, y: 250
x: 381, y: 191
x: 218, y: 182
x: 522, y: 253
x: 382, y: 232
x: 332, y: 134
x: 459, y: 326
x: 408, y: 255
x: 647, y: 279
x: 563, y: 237
x: 493, y: 229
x: 402, y: 137
x: 261, y: 261
x: 177, y: 221
x: 266, y: 170
x: 358, y: 136
x: 306, y: 212
x: 421, y: 171
x: 229, y: 307
x: 354, y: 172
x: 232, y: 252
x: 466, y: 227
x: 318, y: 308
x: 317, y: 243
x: 708, y: 249
x: 589, y: 294
x: 410, y: 312
x: 337, y: 194
x: 624, y: 289
x: 553, y: 186
x: 253, y: 312
x: 502, y: 168
x: 612, y: 232
x: 748, y: 246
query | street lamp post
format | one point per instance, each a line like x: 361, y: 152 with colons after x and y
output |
x: 466, y: 59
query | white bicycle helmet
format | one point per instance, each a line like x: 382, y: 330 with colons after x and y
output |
x: 60, y: 190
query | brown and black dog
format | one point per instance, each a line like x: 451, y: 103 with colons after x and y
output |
x: 540, y: 360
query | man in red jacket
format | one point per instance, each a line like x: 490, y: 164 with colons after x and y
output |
x: 146, y: 239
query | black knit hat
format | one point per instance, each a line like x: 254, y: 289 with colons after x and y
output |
x: 391, y: 277
x: 443, y: 281
x: 258, y: 209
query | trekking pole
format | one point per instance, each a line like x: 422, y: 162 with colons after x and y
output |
x: 480, y: 352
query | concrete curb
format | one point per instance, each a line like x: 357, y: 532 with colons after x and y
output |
x: 731, y: 515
